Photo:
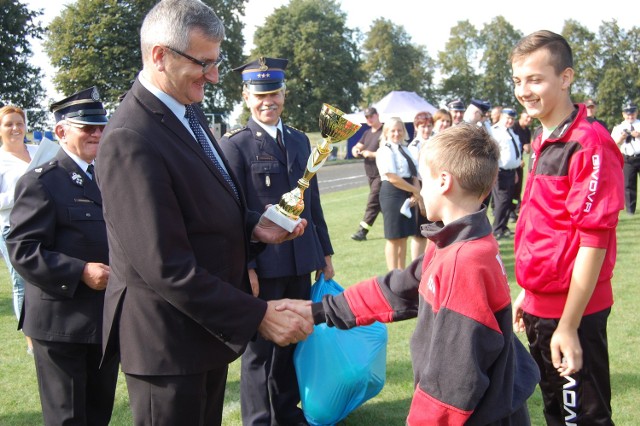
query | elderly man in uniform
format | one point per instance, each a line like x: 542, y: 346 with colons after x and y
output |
x: 627, y: 136
x: 58, y: 243
x: 268, y: 157
x: 510, y: 160
x: 456, y: 108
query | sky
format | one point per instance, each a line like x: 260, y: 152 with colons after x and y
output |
x: 427, y: 24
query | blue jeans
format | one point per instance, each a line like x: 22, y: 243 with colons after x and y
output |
x: 16, y: 280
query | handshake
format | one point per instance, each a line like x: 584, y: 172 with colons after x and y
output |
x: 287, y: 321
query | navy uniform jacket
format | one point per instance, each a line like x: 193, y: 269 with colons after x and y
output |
x: 264, y: 175
x: 56, y: 228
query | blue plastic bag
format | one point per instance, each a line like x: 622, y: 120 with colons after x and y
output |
x: 338, y: 370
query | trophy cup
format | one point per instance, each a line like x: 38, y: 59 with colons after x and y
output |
x: 334, y: 128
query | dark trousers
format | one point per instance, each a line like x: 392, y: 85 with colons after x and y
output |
x: 373, y: 202
x: 73, y: 390
x: 502, y: 194
x: 631, y: 171
x: 269, y: 392
x: 194, y: 399
x: 517, y: 191
x: 583, y: 398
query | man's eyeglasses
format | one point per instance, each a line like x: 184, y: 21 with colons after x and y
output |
x: 206, y: 66
x: 89, y: 129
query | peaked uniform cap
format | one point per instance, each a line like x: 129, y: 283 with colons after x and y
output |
x: 510, y: 112
x: 83, y: 107
x: 264, y: 75
x: 456, y: 105
x: 629, y: 108
x: 483, y: 106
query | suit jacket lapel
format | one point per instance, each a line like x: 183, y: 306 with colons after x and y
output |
x: 79, y: 177
x: 289, y: 144
x: 174, y: 125
x: 266, y: 142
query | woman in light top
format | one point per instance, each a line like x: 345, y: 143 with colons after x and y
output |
x: 15, y: 157
x: 441, y: 120
x: 398, y: 173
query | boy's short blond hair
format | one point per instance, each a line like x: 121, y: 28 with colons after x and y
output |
x: 468, y: 153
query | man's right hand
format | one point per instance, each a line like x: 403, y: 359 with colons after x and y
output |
x: 284, y: 327
x: 95, y: 275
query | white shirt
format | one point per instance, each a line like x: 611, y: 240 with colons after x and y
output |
x: 11, y: 169
x: 390, y: 160
x: 633, y: 147
x: 510, y: 155
x: 272, y: 130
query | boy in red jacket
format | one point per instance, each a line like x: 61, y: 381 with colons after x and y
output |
x: 565, y: 239
x: 469, y: 368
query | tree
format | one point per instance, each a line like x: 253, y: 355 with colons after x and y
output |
x: 586, y: 58
x: 20, y: 82
x: 619, y: 72
x: 497, y: 38
x: 97, y: 42
x: 324, y: 65
x: 457, y: 63
x: 393, y: 62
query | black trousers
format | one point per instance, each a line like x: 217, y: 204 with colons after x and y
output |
x: 194, y: 399
x: 631, y: 170
x: 373, y: 202
x: 269, y: 393
x: 517, y: 191
x: 73, y: 390
x: 583, y: 398
x: 502, y: 194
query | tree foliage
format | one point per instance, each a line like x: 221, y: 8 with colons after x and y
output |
x: 393, y: 62
x: 324, y: 66
x: 457, y: 63
x: 97, y: 42
x: 20, y: 82
x: 496, y: 40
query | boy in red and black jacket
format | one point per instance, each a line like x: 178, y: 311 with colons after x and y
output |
x: 566, y: 237
x: 469, y: 368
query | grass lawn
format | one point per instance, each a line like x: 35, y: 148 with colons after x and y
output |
x: 353, y: 261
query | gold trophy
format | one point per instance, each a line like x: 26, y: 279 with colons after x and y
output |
x: 334, y: 128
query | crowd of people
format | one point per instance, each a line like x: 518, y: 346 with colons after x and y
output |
x: 143, y: 245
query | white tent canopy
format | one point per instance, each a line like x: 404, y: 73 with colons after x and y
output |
x: 396, y: 104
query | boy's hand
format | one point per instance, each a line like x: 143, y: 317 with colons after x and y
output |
x: 566, y: 352
x: 516, y: 309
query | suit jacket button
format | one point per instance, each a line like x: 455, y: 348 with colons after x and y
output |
x: 87, y: 214
x: 64, y: 287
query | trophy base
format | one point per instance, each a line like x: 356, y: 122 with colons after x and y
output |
x: 281, y: 220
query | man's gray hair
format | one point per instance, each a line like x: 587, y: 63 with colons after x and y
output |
x: 170, y: 23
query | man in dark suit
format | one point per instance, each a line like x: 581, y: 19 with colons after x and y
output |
x: 268, y: 158
x: 58, y: 244
x: 179, y: 307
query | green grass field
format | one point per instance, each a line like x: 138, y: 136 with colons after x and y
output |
x: 353, y: 261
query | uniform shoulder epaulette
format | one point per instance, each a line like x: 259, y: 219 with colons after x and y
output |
x: 44, y: 168
x: 234, y: 131
x: 293, y: 128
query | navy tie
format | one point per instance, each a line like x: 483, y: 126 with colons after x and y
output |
x: 90, y: 171
x: 204, y: 144
x: 280, y: 143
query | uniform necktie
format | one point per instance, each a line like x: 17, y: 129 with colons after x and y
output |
x: 412, y: 166
x: 90, y: 171
x: 515, y: 145
x: 204, y: 144
x: 280, y: 142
